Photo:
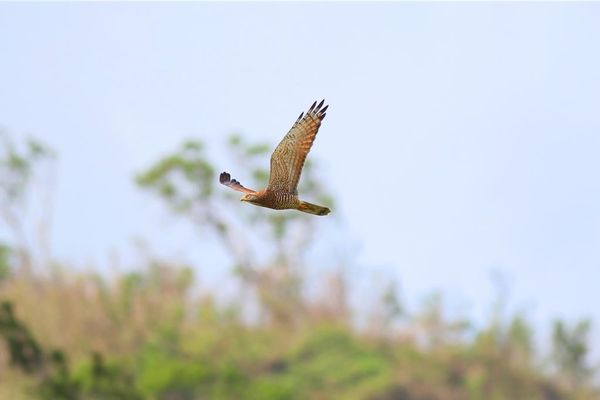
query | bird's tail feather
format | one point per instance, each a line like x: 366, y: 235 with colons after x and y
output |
x: 313, y: 208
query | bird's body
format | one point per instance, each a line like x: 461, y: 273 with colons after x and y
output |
x: 286, y: 166
x: 277, y: 200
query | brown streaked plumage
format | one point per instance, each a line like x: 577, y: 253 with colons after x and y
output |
x: 286, y: 166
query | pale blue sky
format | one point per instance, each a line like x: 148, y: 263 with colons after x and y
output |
x: 471, y: 132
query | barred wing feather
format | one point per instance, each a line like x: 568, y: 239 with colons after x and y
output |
x: 288, y: 158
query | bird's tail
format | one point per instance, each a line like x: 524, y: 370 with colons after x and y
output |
x: 313, y: 208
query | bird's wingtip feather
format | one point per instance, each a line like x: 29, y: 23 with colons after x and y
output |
x: 224, y: 177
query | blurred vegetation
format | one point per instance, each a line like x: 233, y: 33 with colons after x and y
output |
x: 18, y: 164
x: 153, y: 334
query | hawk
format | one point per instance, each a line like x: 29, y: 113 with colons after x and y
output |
x: 286, y: 166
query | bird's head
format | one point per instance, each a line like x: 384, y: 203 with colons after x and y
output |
x: 249, y: 197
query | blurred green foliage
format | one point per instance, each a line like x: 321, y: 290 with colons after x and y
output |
x: 153, y: 334
x: 570, y: 348
x: 5, y: 253
x: 218, y: 357
x: 18, y: 164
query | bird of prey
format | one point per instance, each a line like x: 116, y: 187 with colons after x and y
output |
x: 286, y: 166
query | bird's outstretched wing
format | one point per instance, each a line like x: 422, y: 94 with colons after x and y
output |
x: 226, y: 180
x: 288, y: 158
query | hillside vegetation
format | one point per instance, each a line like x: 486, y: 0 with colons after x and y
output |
x: 154, y: 333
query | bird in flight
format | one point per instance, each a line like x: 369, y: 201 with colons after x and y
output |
x: 286, y: 166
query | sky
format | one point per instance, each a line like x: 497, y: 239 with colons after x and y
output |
x: 461, y: 141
